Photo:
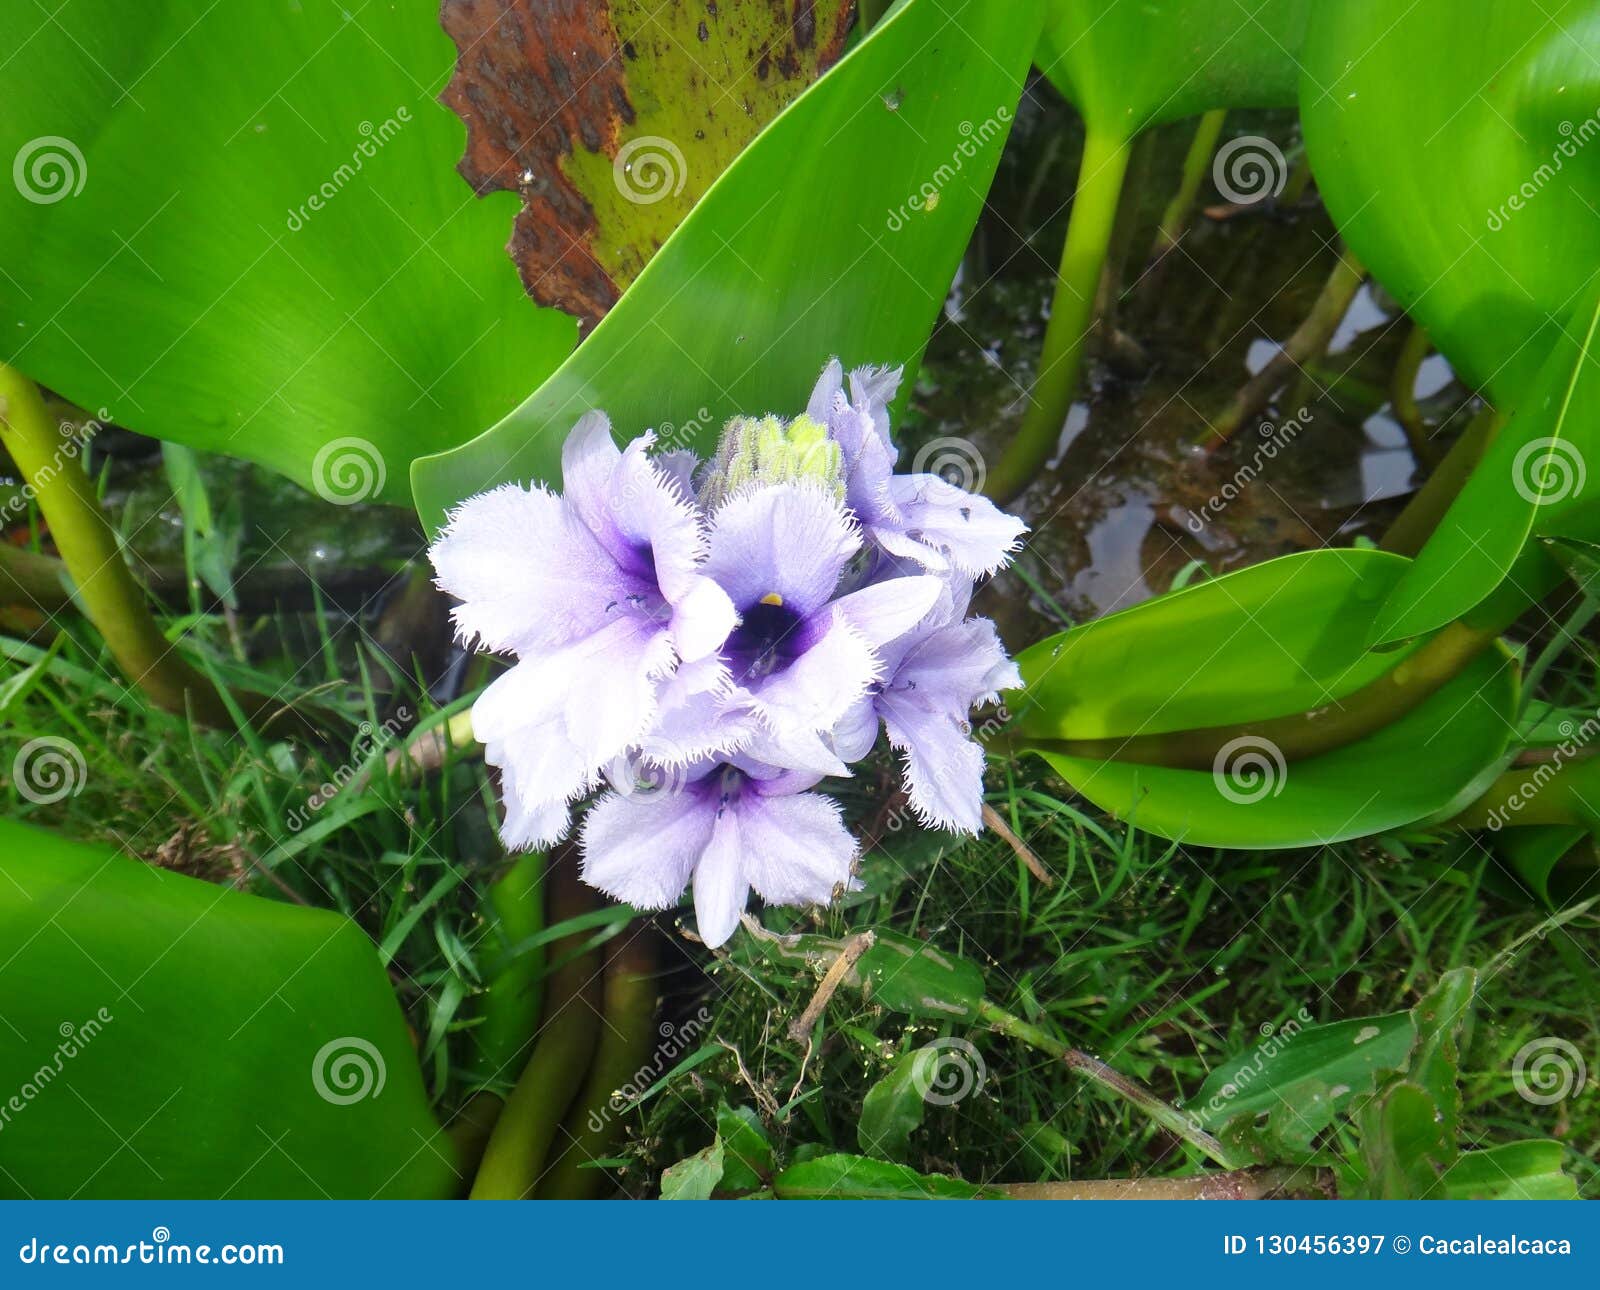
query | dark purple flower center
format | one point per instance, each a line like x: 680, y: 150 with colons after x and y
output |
x: 768, y: 637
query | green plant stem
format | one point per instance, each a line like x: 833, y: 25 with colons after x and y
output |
x: 1112, y: 1080
x: 1256, y: 1183
x: 1300, y: 735
x: 1403, y: 394
x: 1309, y: 340
x: 513, y: 1000
x: 1415, y: 525
x: 594, y: 1124
x: 106, y: 589
x: 1196, y: 162
x: 37, y: 581
x: 520, y: 1143
x: 872, y: 11
x: 1083, y: 257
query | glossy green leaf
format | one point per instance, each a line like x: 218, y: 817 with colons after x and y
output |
x: 1532, y: 478
x: 1431, y: 761
x: 240, y: 227
x: 747, y: 1160
x: 1404, y: 1146
x: 1279, y: 637
x: 1514, y: 1171
x: 1553, y: 861
x: 893, y: 1107
x: 836, y: 232
x: 1343, y: 1056
x: 1452, y: 143
x: 1440, y: 1016
x: 696, y: 1177
x: 169, y: 1038
x: 1130, y: 64
x: 844, y: 1177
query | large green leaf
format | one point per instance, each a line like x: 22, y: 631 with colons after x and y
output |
x: 1533, y: 479
x: 1528, y: 1170
x: 168, y: 1038
x: 1130, y: 64
x: 1279, y: 637
x: 1431, y: 761
x: 1452, y: 141
x: 239, y: 226
x: 836, y: 232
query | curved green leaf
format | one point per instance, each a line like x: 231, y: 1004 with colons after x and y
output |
x: 1130, y: 64
x: 846, y: 1177
x: 1451, y: 140
x: 1432, y: 760
x: 240, y: 227
x: 836, y: 232
x: 168, y: 1038
x: 1279, y: 637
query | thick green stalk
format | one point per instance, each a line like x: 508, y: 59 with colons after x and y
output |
x: 37, y: 581
x: 1415, y: 525
x: 1307, y: 343
x: 1403, y: 394
x: 1175, y: 219
x: 1083, y: 257
x: 627, y: 1035
x: 514, y: 998
x: 1300, y: 735
x: 520, y: 1143
x: 1112, y: 1081
x: 106, y: 589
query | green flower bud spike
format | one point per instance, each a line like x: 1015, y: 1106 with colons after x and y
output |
x: 758, y: 451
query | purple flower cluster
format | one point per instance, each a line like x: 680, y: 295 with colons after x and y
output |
x: 707, y: 641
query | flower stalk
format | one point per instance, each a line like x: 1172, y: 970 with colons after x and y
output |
x: 1083, y: 259
x: 105, y: 586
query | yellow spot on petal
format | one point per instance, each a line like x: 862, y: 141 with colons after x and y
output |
x: 772, y: 598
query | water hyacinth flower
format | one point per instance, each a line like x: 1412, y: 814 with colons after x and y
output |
x: 731, y: 829
x: 598, y: 594
x: 714, y: 638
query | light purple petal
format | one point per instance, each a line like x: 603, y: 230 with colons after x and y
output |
x: 785, y: 540
x: 944, y: 767
x: 702, y: 617
x: 721, y: 890
x: 816, y: 689
x: 642, y: 850
x: 888, y: 609
x: 856, y: 732
x: 976, y: 535
x: 956, y: 667
x: 825, y: 394
x: 677, y: 467
x: 526, y: 571
x: 796, y: 848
